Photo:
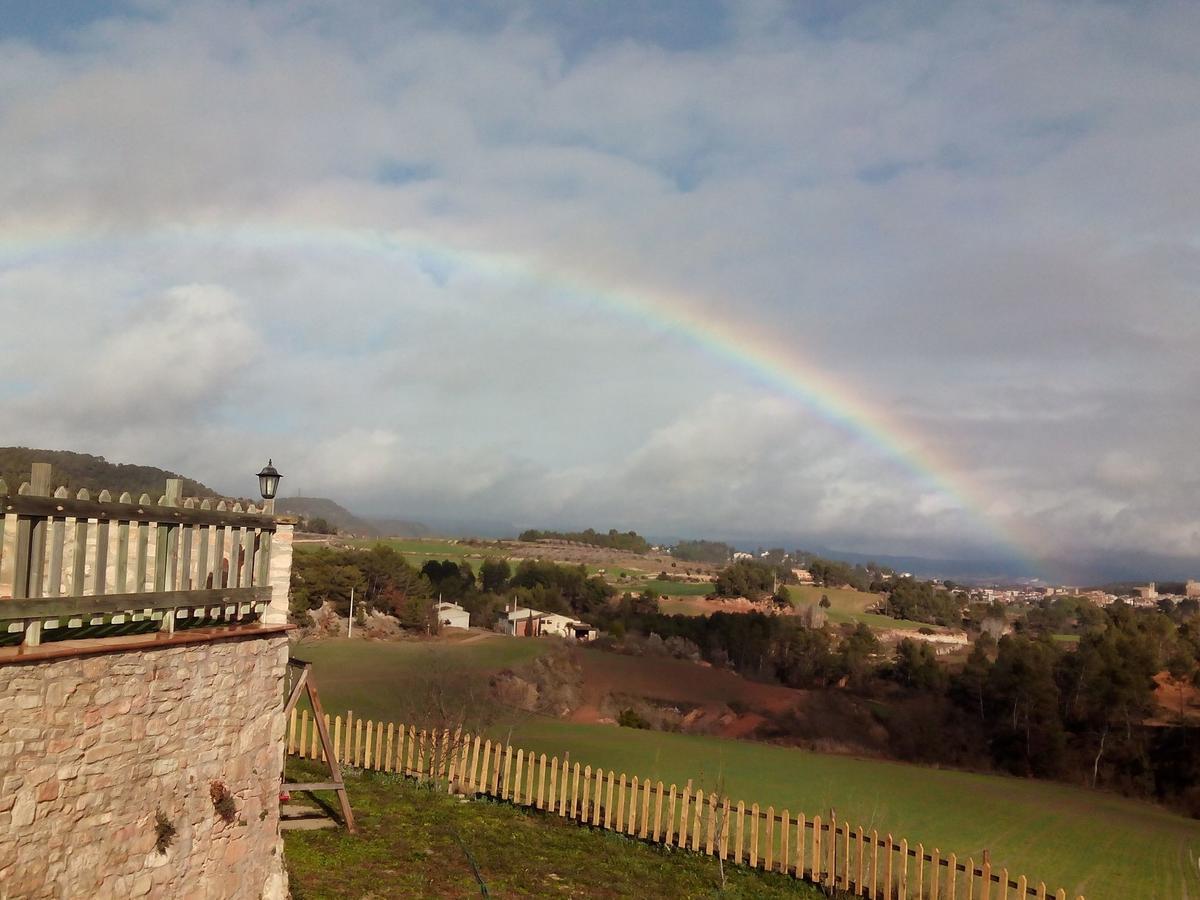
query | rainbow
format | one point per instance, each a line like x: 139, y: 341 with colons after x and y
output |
x: 784, y: 370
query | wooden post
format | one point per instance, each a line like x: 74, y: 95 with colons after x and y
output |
x: 769, y: 856
x: 725, y: 816
x: 596, y: 800
x: 683, y: 816
x: 621, y: 803
x: 713, y: 815
x: 631, y: 823
x: 496, y: 763
x: 541, y: 788
x: 935, y: 871
x: 472, y: 779
x: 801, y: 827
x: 889, y: 886
x: 818, y: 876
x: 516, y: 796
x: 645, y: 807
x: 575, y: 793
x: 608, y: 800
x: 985, y: 889
x: 741, y: 823
x: 698, y: 820
x: 903, y: 891
x: 857, y: 878
x: 669, y: 833
x: 754, y: 815
x: 920, y: 870
x: 658, y: 805
x: 952, y: 881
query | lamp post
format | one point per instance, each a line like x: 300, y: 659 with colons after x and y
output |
x: 268, y: 485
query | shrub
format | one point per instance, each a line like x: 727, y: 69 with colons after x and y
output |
x: 164, y: 831
x: 223, y: 801
x: 629, y: 718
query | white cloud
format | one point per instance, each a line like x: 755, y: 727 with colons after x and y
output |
x: 978, y: 218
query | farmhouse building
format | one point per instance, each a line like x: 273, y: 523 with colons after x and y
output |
x: 565, y: 626
x: 453, y: 615
x: 522, y: 622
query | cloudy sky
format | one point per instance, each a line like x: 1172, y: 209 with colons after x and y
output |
x: 904, y: 278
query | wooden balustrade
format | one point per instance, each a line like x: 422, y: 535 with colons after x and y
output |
x: 76, y: 566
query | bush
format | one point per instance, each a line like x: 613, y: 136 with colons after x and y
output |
x: 629, y: 718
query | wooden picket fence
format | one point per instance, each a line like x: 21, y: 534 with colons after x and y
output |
x: 827, y: 852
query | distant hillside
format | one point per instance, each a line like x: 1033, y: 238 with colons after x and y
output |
x: 324, y: 508
x: 82, y: 470
x: 400, y: 528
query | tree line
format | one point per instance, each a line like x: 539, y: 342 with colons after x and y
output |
x: 384, y: 580
x: 629, y: 541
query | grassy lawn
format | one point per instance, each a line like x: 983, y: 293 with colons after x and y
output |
x: 1092, y: 843
x: 409, y: 846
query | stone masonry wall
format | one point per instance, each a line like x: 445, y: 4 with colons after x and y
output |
x: 91, y: 747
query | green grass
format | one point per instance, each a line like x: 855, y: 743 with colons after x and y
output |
x: 369, y: 677
x: 850, y: 606
x: 1089, y: 842
x: 679, y: 588
x: 409, y: 846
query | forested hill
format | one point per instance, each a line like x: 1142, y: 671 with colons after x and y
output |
x: 82, y: 470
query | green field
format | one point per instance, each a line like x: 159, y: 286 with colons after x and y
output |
x: 1089, y: 842
x: 677, y: 588
x: 849, y: 605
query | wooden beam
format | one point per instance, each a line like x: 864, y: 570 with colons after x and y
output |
x: 31, y: 505
x: 65, y: 606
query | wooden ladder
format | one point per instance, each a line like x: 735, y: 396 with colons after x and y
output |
x: 305, y: 682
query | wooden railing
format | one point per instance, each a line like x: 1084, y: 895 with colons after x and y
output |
x: 823, y: 851
x: 74, y: 566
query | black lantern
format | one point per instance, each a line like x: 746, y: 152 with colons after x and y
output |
x: 268, y: 481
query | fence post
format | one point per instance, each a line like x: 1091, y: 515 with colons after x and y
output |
x: 621, y: 803
x: 608, y: 800
x: 952, y: 882
x: 889, y: 885
x: 697, y: 820
x: 858, y: 872
x: 541, y: 788
x: 903, y: 890
x: 575, y: 793
x: 935, y: 868
x: 741, y: 824
x: 658, y: 805
x: 681, y: 838
x: 800, y: 828
x: 985, y: 891
x: 596, y: 804
x: 754, y: 814
x: 818, y: 876
x: 669, y: 833
x: 769, y: 856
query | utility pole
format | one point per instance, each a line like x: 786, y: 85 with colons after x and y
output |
x: 350, y: 623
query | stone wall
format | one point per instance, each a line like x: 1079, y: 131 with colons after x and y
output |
x: 92, y: 747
